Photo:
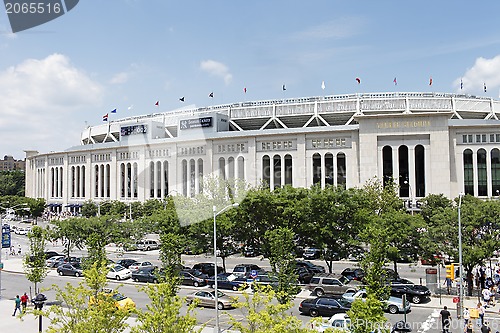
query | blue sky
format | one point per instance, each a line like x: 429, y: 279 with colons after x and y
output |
x: 60, y: 76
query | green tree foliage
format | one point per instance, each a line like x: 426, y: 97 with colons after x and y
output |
x: 70, y: 232
x: 264, y: 316
x: 163, y: 314
x: 12, y: 183
x: 282, y: 260
x: 34, y: 261
x: 367, y: 316
x: 89, y: 209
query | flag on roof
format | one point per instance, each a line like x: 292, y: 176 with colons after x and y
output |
x: 181, y: 99
x: 113, y: 111
x: 395, y: 81
x: 157, y: 103
x: 484, y: 85
x: 323, y: 85
x: 105, y: 117
x: 461, y: 84
x: 430, y: 81
x: 283, y: 87
x: 358, y: 80
x: 211, y: 95
x: 245, y: 90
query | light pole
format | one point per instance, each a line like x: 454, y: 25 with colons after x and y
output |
x: 460, y: 263
x: 216, y: 290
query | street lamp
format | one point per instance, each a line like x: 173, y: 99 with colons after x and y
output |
x: 216, y: 290
x: 39, y: 301
x: 460, y: 269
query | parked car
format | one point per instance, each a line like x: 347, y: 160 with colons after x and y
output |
x: 70, y: 269
x: 22, y: 230
x: 193, y: 277
x: 118, y: 272
x: 304, y: 275
x: 414, y: 293
x: 264, y: 279
x: 311, y: 253
x: 392, y: 304
x: 310, y: 266
x: 54, y: 261
x: 50, y: 254
x: 353, y: 273
x: 138, y: 265
x: 329, y: 283
x: 223, y: 282
x: 207, y: 298
x: 147, y: 245
x: 126, y: 262
x: 251, y: 251
x: 208, y: 268
x: 242, y: 270
x: 147, y: 274
x: 121, y: 301
x: 337, y: 322
x: 324, y: 306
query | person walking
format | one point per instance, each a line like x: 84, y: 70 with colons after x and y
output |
x: 17, y: 304
x: 481, y: 310
x: 445, y: 319
x: 449, y: 283
x: 466, y: 316
x: 485, y: 328
x: 24, y: 302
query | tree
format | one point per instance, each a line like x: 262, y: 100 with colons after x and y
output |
x: 282, y: 260
x: 70, y: 232
x: 264, y: 316
x: 163, y: 312
x: 34, y: 261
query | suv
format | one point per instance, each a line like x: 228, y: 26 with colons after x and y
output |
x: 327, y: 283
x: 208, y: 268
x: 147, y: 245
x: 242, y: 270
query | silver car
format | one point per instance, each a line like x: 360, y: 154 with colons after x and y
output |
x: 392, y: 304
x: 207, y: 298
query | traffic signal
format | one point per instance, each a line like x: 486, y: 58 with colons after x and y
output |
x: 450, y: 271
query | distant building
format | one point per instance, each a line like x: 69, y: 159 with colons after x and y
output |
x: 10, y: 164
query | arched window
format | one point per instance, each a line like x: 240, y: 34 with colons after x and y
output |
x: 151, y: 179
x: 200, y: 175
x: 158, y: 179
x: 419, y: 171
x: 495, y: 172
x: 468, y: 172
x: 482, y: 175
x: 108, y: 181
x: 184, y: 168
x: 192, y: 177
x: 222, y: 168
x: 96, y: 171
x: 329, y: 171
x: 83, y: 181
x: 165, y: 177
x: 404, y: 180
x: 277, y: 170
x: 316, y: 159
x: 241, y: 167
x: 288, y: 170
x: 266, y: 170
x: 341, y: 170
x: 387, y: 172
x: 73, y: 181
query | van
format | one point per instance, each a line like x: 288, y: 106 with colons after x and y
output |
x: 147, y: 245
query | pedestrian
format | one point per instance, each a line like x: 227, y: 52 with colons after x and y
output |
x: 481, y: 311
x: 486, y: 295
x: 445, y: 319
x: 468, y: 328
x: 466, y: 316
x: 17, y: 304
x: 12, y: 251
x: 19, y: 249
x: 449, y: 283
x: 24, y: 302
x: 485, y: 328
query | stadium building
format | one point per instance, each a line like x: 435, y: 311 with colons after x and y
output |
x: 427, y: 142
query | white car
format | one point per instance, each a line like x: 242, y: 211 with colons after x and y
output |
x: 337, y: 322
x: 392, y: 305
x: 118, y: 272
x: 22, y: 231
x: 138, y: 265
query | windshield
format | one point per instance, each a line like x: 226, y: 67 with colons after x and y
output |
x: 343, y: 279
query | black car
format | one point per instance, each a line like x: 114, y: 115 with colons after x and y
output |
x: 70, y: 269
x: 224, y: 283
x: 264, y: 280
x: 126, y: 262
x: 324, y: 306
x: 311, y: 253
x: 310, y: 266
x: 50, y: 254
x: 147, y: 274
x: 353, y: 274
x: 304, y: 275
x: 193, y: 277
x: 414, y: 293
x: 208, y: 268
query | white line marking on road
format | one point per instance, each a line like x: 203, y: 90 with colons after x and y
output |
x: 429, y: 323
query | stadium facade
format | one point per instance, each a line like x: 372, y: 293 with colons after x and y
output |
x: 426, y: 142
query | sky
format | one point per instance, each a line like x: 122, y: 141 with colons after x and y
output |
x: 64, y: 75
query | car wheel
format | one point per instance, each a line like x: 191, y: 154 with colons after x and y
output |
x: 61, y: 273
x: 319, y: 292
x: 235, y: 288
x: 392, y: 309
x: 416, y: 299
x: 136, y: 279
x: 196, y: 284
x: 147, y: 249
x: 77, y: 274
x: 212, y: 286
x: 117, y: 278
x: 220, y: 306
x: 155, y: 281
x: 313, y: 312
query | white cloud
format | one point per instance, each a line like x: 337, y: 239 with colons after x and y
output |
x: 119, y: 78
x: 484, y: 71
x: 216, y: 68
x: 44, y: 104
x: 336, y: 29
